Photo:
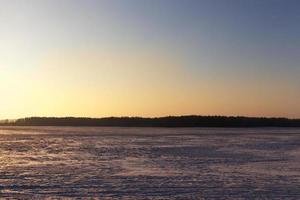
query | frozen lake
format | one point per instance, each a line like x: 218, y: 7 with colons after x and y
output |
x: 149, y: 163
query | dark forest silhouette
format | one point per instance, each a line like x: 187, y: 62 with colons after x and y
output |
x: 171, y: 121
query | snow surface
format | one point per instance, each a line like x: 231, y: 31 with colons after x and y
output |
x: 149, y: 163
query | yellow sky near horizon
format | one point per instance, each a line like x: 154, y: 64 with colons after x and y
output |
x: 100, y: 84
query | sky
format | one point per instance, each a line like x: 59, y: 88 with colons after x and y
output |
x: 98, y: 58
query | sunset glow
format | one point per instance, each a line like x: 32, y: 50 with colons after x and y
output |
x: 149, y: 58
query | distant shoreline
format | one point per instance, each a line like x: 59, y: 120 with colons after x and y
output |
x: 170, y: 121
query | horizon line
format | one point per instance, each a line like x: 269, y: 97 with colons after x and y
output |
x: 154, y: 117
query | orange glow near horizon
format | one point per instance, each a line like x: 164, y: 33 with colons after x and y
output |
x: 107, y: 84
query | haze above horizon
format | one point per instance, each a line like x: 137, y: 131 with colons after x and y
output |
x: 90, y: 58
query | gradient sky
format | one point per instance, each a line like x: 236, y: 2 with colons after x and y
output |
x: 99, y: 58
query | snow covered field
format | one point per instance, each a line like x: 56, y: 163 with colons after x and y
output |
x: 149, y: 163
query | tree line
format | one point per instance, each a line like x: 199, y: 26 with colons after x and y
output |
x: 171, y: 121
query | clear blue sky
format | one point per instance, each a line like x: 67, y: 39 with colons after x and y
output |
x: 149, y: 57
